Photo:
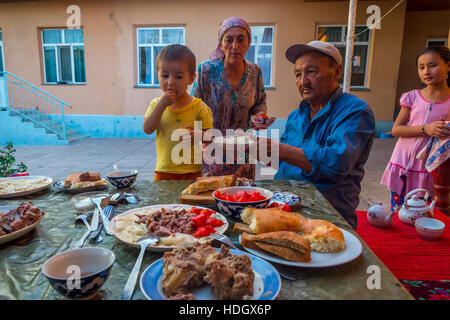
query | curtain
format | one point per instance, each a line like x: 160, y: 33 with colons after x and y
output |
x: 50, y: 64
x: 78, y: 56
x: 73, y: 35
x: 51, y: 36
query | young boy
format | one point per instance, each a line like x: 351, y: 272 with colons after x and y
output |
x: 175, y: 109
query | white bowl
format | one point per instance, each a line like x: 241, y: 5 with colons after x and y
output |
x: 429, y: 228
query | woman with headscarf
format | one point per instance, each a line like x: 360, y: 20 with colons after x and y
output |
x: 232, y: 87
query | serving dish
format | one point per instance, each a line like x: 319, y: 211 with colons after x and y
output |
x: 353, y: 249
x: 59, y: 186
x: 19, y: 233
x: 48, y: 182
x: 161, y: 248
x: 267, y: 282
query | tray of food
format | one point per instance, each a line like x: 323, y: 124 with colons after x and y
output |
x: 18, y: 221
x: 173, y: 223
x: 200, y: 191
x: 13, y: 187
x: 289, y: 238
x: 202, y: 272
x: 80, y: 182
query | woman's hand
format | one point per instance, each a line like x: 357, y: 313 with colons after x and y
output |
x: 437, y: 129
x: 257, y: 125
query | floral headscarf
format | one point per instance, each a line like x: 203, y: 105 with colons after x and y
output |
x: 227, y: 24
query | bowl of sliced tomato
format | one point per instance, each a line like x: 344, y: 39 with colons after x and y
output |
x: 232, y: 200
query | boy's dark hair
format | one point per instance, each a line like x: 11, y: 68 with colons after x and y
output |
x: 442, y: 51
x: 177, y: 52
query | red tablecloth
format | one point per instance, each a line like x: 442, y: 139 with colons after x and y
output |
x: 404, y: 252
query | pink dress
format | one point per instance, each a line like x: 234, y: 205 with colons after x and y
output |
x: 406, y: 149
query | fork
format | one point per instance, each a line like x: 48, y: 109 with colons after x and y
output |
x: 144, y: 242
x: 109, y: 212
x: 226, y: 240
x: 105, y: 220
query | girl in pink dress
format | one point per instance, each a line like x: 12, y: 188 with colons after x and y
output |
x: 423, y: 114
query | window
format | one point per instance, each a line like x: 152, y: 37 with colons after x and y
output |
x: 260, y: 51
x: 432, y: 42
x: 2, y: 65
x: 63, y: 56
x: 150, y: 42
x: 337, y: 35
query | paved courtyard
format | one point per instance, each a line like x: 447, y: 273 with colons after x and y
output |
x: 100, y: 155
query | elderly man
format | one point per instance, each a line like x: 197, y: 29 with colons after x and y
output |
x: 327, y: 139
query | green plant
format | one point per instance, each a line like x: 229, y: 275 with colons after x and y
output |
x: 7, y: 160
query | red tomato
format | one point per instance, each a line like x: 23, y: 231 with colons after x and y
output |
x: 199, y: 220
x: 286, y: 207
x: 202, y: 232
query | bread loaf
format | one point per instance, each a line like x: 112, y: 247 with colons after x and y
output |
x: 323, y: 236
x: 269, y: 220
x: 209, y: 184
x: 90, y: 176
x: 74, y: 177
x: 286, y: 244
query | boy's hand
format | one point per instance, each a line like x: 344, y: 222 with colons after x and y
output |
x: 437, y: 129
x: 168, y: 98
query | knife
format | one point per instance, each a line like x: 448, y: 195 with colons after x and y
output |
x: 94, y: 221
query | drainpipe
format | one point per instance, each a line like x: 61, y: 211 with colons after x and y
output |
x: 349, y: 45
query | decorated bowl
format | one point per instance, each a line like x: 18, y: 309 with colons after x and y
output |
x: 123, y: 178
x: 233, y: 209
x: 79, y: 273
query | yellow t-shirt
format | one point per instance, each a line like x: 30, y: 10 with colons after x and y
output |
x: 171, y: 120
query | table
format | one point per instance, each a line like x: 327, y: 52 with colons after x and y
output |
x: 21, y: 260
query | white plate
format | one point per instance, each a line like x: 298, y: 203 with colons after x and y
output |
x: 353, y: 249
x: 162, y: 248
x: 16, y: 234
x: 48, y: 180
x: 266, y: 286
x: 59, y: 186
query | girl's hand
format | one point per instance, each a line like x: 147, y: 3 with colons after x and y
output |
x: 168, y: 98
x: 437, y: 129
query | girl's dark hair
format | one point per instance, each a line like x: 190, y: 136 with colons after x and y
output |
x: 442, y: 51
x: 177, y: 52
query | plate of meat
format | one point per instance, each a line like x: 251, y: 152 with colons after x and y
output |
x: 202, y: 272
x: 17, y: 221
x: 173, y: 223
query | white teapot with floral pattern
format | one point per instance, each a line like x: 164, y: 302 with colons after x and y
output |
x: 379, y: 215
x: 414, y: 208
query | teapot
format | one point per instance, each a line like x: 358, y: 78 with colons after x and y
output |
x: 414, y: 208
x: 379, y: 215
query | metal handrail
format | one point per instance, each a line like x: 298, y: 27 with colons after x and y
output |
x: 33, y: 86
x: 35, y: 101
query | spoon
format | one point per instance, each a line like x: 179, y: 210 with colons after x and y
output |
x: 131, y: 282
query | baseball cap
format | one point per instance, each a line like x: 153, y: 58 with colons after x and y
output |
x: 295, y: 51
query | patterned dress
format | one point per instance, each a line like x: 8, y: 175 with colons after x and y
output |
x: 231, y: 108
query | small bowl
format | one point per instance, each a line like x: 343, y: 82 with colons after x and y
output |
x: 429, y: 228
x: 233, y: 210
x: 82, y: 202
x: 79, y: 273
x: 123, y: 178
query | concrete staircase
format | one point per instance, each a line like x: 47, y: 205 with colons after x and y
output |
x: 22, y: 131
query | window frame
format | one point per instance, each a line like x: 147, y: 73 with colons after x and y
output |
x: 57, y: 47
x: 264, y: 44
x: 151, y: 45
x: 437, y: 39
x: 2, y: 52
x: 342, y: 43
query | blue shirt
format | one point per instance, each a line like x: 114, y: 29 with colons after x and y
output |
x: 337, y: 142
